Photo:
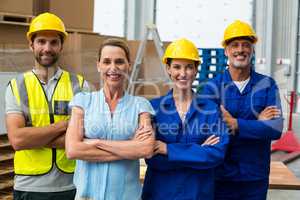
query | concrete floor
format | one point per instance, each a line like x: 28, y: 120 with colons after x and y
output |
x: 293, y: 166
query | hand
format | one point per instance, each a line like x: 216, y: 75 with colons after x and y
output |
x: 230, y: 121
x: 143, y: 133
x: 268, y: 113
x: 160, y: 148
x: 61, y: 126
x: 211, y: 140
x: 58, y: 142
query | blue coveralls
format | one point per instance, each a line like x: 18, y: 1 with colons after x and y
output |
x: 187, y: 172
x: 245, y: 172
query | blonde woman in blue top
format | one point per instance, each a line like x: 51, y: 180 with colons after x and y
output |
x: 109, y: 131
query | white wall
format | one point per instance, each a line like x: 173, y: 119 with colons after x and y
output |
x: 201, y: 21
x: 109, y: 17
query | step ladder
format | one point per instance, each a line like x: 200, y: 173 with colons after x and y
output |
x: 133, y: 80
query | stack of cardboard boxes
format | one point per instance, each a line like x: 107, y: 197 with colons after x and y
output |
x: 18, y: 8
x: 77, y: 14
x: 81, y: 47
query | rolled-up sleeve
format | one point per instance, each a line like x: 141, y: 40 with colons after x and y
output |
x: 11, y: 105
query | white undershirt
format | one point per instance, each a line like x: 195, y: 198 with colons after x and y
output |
x: 241, y: 85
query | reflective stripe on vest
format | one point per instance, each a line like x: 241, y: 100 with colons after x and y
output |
x: 38, y: 112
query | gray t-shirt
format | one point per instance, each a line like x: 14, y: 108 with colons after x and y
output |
x: 55, y: 180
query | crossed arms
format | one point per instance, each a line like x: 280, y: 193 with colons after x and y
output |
x: 96, y: 150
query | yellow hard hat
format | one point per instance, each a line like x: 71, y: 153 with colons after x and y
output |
x: 181, y: 49
x: 238, y: 29
x: 46, y: 22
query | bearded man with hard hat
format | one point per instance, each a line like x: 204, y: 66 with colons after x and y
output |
x: 251, y: 108
x: 37, y: 116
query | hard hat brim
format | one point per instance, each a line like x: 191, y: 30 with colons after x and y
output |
x: 253, y: 39
x: 30, y: 34
x: 164, y: 60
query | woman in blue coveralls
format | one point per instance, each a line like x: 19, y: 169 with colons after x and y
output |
x: 190, y: 136
x: 251, y: 108
x: 108, y: 131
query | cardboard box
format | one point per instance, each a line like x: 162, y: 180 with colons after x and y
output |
x: 40, y: 6
x: 76, y: 14
x: 15, y: 58
x: 15, y: 55
x: 23, y: 7
x: 13, y: 34
x: 80, y: 52
x: 80, y: 55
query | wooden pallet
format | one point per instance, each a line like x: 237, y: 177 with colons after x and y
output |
x: 17, y: 18
x: 6, y: 195
x: 286, y: 157
x: 9, y: 183
x: 281, y: 177
x: 6, y: 169
x: 6, y: 155
x: 4, y: 143
x: 73, y: 30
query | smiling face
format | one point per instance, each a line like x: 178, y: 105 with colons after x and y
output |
x: 114, y: 66
x: 182, y: 73
x: 46, y: 47
x: 239, y: 53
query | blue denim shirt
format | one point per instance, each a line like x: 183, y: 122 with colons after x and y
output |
x: 187, y: 171
x: 248, y: 154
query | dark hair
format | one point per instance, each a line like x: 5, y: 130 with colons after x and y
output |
x: 116, y: 43
x: 60, y: 36
x: 169, y: 60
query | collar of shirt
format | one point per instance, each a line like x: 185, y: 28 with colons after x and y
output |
x: 169, y: 100
x: 55, y: 77
x: 253, y: 77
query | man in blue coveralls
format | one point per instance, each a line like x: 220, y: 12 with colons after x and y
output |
x: 250, y: 105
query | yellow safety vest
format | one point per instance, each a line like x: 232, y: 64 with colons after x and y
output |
x: 39, y: 112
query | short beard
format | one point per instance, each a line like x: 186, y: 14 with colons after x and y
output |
x: 239, y: 65
x: 54, y: 60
